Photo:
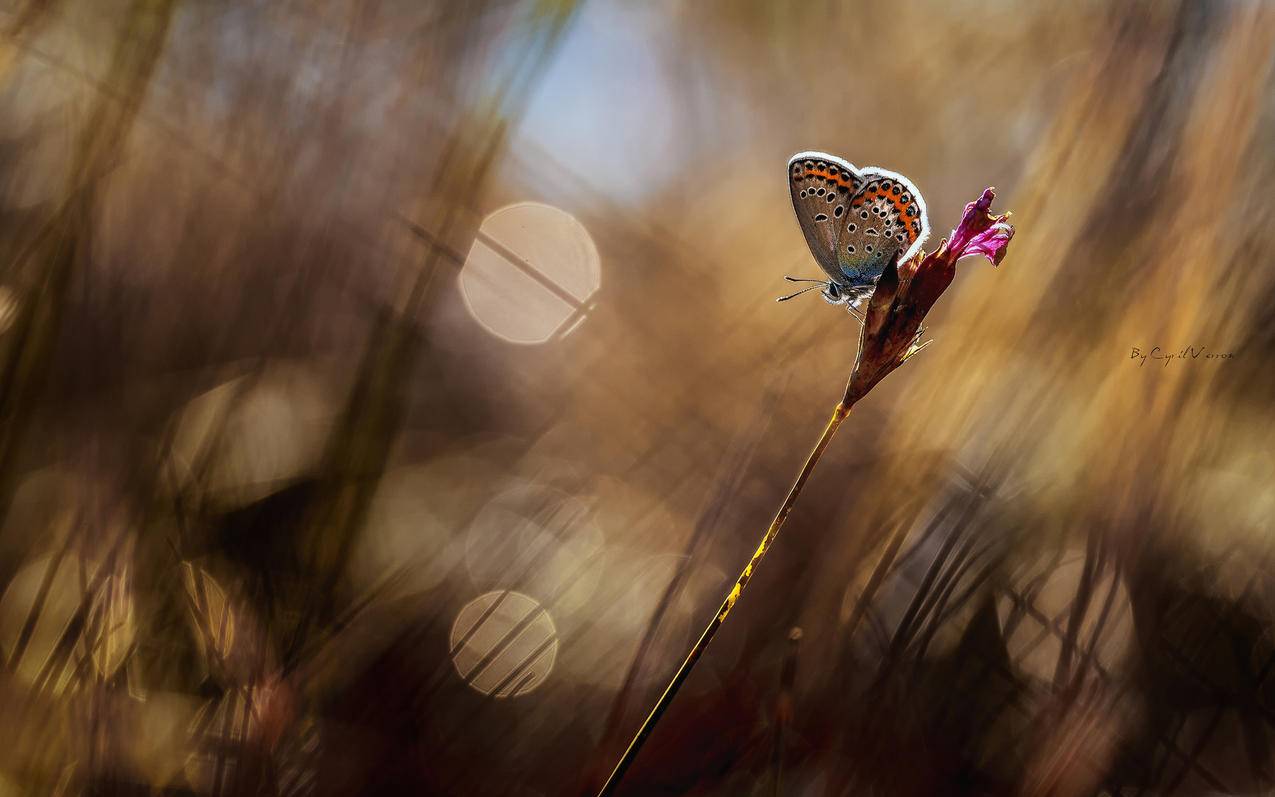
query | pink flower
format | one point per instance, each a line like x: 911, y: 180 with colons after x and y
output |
x: 907, y: 291
x: 980, y: 233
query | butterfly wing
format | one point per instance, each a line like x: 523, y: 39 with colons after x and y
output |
x: 886, y: 218
x: 822, y: 186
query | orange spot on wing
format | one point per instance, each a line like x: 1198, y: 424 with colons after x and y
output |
x: 840, y: 178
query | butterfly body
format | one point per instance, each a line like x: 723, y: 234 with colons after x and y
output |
x: 856, y: 221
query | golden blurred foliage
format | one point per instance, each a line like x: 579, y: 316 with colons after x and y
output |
x: 324, y: 325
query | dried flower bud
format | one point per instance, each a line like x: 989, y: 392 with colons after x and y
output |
x: 906, y: 291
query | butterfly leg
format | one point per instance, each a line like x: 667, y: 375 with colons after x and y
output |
x: 916, y: 344
x: 857, y: 299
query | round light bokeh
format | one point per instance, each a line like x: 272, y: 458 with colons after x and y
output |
x: 252, y: 435
x: 1037, y: 610
x: 603, y: 650
x: 51, y: 584
x: 40, y: 103
x: 407, y: 547
x: 530, y: 274
x: 539, y: 540
x: 503, y: 644
x: 41, y: 602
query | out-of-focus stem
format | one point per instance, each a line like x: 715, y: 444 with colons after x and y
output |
x: 783, y: 709
x: 838, y: 415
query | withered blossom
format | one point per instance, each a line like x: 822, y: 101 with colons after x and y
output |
x: 907, y: 291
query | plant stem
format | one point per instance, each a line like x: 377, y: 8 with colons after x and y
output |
x: 617, y: 774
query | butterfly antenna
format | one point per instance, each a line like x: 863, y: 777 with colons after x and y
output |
x: 798, y: 293
x: 802, y: 279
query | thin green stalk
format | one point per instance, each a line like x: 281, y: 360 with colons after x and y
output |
x: 635, y: 746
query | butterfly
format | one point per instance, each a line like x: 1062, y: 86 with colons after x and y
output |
x: 855, y: 221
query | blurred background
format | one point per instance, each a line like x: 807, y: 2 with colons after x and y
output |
x: 391, y: 389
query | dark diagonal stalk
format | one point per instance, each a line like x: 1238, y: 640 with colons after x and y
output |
x: 661, y: 705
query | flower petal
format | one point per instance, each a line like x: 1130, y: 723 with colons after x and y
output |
x: 981, y: 233
x: 992, y: 243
